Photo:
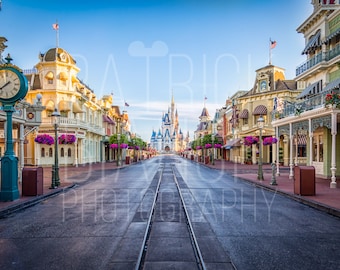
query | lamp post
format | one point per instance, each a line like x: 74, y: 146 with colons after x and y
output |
x: 134, y: 149
x: 213, y: 146
x: 55, y: 168
x: 260, y: 124
x: 118, y: 141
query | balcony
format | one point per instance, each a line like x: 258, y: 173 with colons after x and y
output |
x: 291, y: 109
x: 65, y: 122
x: 320, y: 57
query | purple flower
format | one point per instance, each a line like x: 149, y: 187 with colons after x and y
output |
x: 66, y: 139
x: 114, y: 146
x: 44, y: 139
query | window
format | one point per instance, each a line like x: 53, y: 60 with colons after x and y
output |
x: 50, y: 81
x: 62, y: 152
x: 50, y: 152
x: 42, y: 154
x: 69, y: 153
x: 245, y: 121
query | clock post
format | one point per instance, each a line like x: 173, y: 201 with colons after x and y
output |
x: 13, y: 87
x: 9, y: 163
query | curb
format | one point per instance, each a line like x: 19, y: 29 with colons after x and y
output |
x: 23, y: 205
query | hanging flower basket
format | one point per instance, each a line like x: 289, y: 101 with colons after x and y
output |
x: 198, y: 147
x: 249, y: 140
x: 137, y: 147
x: 113, y: 146
x: 269, y: 140
x: 67, y: 139
x: 207, y: 146
x: 44, y: 139
x: 332, y: 99
x: 217, y: 145
x: 123, y: 146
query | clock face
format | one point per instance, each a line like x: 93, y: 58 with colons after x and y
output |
x: 9, y: 84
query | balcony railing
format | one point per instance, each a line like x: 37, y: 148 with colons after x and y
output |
x: 320, y: 57
x: 77, y: 123
x: 291, y: 109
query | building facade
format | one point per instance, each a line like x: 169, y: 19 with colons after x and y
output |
x: 84, y: 119
x: 314, y: 117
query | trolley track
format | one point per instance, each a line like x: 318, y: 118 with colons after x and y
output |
x: 165, y: 241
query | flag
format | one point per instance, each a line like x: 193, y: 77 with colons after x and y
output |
x: 55, y: 26
x: 272, y: 44
x: 126, y: 104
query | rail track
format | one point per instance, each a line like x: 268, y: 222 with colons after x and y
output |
x: 165, y: 241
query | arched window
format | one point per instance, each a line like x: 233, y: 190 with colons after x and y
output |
x: 62, y: 152
x: 69, y: 153
x: 42, y: 154
x: 50, y: 152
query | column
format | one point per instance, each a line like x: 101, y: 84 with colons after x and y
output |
x: 310, y: 142
x: 333, y: 158
x: 277, y: 151
x: 21, y: 152
x: 291, y: 161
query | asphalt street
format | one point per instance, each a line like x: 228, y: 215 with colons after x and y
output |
x: 83, y: 228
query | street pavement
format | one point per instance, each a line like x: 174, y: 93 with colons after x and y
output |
x: 325, y: 199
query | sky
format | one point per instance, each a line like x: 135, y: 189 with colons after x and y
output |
x: 199, y: 51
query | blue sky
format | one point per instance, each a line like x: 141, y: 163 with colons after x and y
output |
x: 143, y: 51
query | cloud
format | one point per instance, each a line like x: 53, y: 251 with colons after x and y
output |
x: 138, y: 49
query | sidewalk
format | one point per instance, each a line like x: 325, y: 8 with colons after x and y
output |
x: 326, y: 199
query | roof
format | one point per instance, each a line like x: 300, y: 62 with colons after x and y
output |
x: 58, y: 54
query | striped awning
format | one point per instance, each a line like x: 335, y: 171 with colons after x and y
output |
x: 232, y: 143
x: 49, y: 105
x: 332, y: 85
x: 260, y: 110
x: 64, y: 106
x: 301, y: 140
x: 63, y: 76
x: 107, y: 119
x: 330, y: 36
x: 244, y: 114
x: 49, y: 75
x: 309, y: 90
x: 76, y: 108
x: 313, y: 43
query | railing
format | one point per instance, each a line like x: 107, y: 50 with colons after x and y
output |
x: 71, y: 122
x: 291, y: 109
x: 320, y: 57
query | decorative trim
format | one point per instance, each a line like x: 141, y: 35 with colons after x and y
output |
x: 324, y: 121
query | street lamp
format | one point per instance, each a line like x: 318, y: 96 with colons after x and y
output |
x: 55, y: 168
x: 260, y: 125
x: 118, y: 142
x: 213, y: 146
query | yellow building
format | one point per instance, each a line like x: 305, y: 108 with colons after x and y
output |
x: 85, y: 119
x: 269, y: 86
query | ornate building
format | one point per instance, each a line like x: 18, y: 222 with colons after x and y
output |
x: 314, y: 118
x: 169, y: 137
x: 84, y: 118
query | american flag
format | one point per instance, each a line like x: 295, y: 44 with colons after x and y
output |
x: 55, y: 26
x: 272, y: 44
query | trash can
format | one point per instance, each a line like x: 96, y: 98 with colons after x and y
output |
x: 32, y: 181
x: 127, y: 160
x: 304, y: 180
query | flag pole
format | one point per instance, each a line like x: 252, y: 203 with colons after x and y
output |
x: 270, y: 51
